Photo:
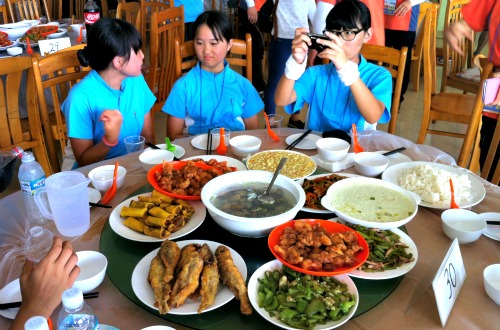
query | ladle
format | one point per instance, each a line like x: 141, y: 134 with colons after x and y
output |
x: 265, y: 197
x: 222, y: 148
x: 453, y: 204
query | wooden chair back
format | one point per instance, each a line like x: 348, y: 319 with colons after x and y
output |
x: 27, y: 10
x: 185, y: 57
x: 393, y: 60
x: 4, y: 15
x: 148, y: 7
x: 166, y: 25
x: 57, y: 73
x: 76, y: 8
x: 491, y: 171
x: 129, y: 11
x: 14, y: 131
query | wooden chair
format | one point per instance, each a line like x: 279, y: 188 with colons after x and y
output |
x: 148, y: 7
x: 240, y: 55
x: 166, y: 25
x: 130, y: 12
x: 416, y: 53
x: 394, y: 61
x: 488, y: 169
x: 4, y: 15
x: 456, y: 71
x: 15, y: 131
x: 449, y: 107
x: 57, y: 73
x: 27, y: 10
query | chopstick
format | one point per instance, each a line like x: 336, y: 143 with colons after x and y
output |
x: 493, y: 223
x: 393, y: 151
x: 152, y: 146
x: 297, y: 141
x: 100, y: 205
x: 209, y: 142
x: 89, y: 295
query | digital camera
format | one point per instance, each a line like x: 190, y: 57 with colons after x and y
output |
x: 314, y: 44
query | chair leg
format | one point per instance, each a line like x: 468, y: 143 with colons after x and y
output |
x: 423, y: 128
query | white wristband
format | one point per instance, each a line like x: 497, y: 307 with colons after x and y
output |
x: 293, y: 70
x: 349, y: 73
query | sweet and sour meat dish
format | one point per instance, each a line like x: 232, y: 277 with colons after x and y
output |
x: 313, y: 248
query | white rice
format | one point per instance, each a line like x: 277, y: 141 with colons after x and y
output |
x: 432, y: 184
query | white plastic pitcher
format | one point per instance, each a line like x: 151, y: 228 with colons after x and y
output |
x: 68, y: 200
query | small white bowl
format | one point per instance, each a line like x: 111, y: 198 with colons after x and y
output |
x: 245, y: 145
x: 152, y: 157
x: 76, y: 27
x: 464, y: 225
x: 332, y: 149
x: 15, y: 30
x: 32, y: 22
x: 14, y: 51
x: 370, y: 163
x: 92, y: 270
x: 102, y: 177
x: 491, y: 277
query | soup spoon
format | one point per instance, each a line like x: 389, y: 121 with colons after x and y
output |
x: 265, y: 197
x: 453, y: 204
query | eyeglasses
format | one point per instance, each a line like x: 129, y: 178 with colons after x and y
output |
x: 347, y: 35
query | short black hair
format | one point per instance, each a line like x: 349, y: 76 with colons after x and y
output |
x: 218, y: 22
x: 107, y: 38
x: 348, y: 15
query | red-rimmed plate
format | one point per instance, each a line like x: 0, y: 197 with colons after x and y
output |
x: 176, y: 165
x: 331, y: 227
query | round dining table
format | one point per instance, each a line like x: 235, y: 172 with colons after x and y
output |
x: 402, y: 303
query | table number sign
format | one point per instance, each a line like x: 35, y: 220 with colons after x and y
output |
x: 53, y: 45
x: 448, y: 281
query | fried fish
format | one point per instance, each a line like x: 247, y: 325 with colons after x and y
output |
x: 161, y: 288
x: 209, y: 281
x: 232, y: 278
x: 187, y: 275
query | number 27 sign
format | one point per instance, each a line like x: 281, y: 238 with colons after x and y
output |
x: 448, y: 281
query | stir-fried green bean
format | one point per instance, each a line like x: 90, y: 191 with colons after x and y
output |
x: 386, y: 249
x: 303, y: 301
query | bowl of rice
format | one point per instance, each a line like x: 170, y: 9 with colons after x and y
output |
x: 431, y: 182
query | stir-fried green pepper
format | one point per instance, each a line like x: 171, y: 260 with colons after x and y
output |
x: 303, y: 301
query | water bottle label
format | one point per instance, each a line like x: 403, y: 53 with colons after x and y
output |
x: 29, y: 187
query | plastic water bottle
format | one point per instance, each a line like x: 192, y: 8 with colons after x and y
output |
x: 76, y: 314
x: 37, y: 323
x: 31, y: 175
x: 38, y: 244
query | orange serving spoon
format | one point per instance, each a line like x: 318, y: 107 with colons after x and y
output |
x: 29, y: 50
x: 357, y: 147
x: 222, y: 148
x: 273, y: 135
x: 453, y: 204
x: 108, y: 196
x: 80, y: 37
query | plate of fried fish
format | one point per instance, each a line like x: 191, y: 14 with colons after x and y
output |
x: 182, y: 278
x: 136, y: 228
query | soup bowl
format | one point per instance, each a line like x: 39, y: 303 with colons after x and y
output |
x: 371, y: 202
x: 248, y: 226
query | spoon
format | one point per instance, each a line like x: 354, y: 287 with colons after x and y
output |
x: 273, y: 135
x: 80, y: 37
x: 170, y: 147
x: 265, y: 197
x: 453, y: 204
x: 108, y: 196
x: 222, y: 148
x: 357, y: 147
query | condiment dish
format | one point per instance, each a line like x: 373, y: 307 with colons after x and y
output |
x: 244, y: 145
x: 102, y: 177
x: 370, y: 163
x: 464, y: 225
x: 332, y: 149
x: 491, y: 277
x: 152, y: 157
x: 14, y: 51
x: 92, y: 270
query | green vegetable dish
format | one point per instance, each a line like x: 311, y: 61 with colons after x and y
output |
x: 303, y: 301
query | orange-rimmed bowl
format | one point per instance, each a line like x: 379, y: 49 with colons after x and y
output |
x: 331, y: 227
x: 176, y: 165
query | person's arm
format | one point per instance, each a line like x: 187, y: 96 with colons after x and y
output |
x: 42, y: 285
x: 370, y: 108
x: 252, y: 13
x: 175, y: 127
x: 147, y: 129
x: 455, y: 34
x: 251, y: 122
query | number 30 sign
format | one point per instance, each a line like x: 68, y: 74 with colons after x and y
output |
x: 448, y: 281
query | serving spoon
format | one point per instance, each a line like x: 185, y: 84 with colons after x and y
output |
x: 265, y: 198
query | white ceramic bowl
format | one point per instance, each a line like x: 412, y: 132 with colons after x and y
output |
x: 464, y: 225
x: 370, y: 163
x: 152, y: 157
x: 14, y: 51
x: 491, y: 276
x: 244, y: 145
x: 102, y: 177
x: 250, y: 227
x: 15, y: 30
x: 332, y: 149
x: 92, y: 270
x: 367, y: 185
x: 32, y: 22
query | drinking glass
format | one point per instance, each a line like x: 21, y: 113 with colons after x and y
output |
x: 216, y: 137
x: 275, y: 122
x: 134, y: 143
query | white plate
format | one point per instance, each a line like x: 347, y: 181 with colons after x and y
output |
x: 14, y: 43
x: 32, y: 44
x: 178, y: 152
x: 200, y: 142
x: 396, y: 158
x: 232, y: 162
x: 10, y: 293
x: 59, y: 33
x: 144, y: 292
x: 393, y: 173
x: 116, y: 222
x: 308, y: 143
x: 253, y: 289
x: 491, y: 231
x: 392, y: 273
x: 310, y: 210
x: 94, y: 195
